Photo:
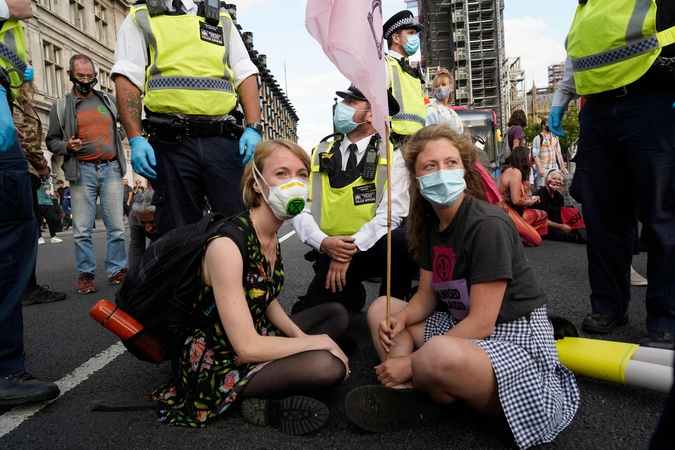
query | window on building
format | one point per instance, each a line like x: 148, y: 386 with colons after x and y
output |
x: 100, y: 16
x: 51, y: 55
x: 49, y: 4
x: 77, y: 14
x: 104, y: 80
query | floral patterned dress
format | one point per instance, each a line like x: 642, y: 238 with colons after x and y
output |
x: 210, y: 372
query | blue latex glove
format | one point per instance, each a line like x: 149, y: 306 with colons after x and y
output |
x: 247, y: 143
x: 7, y: 130
x: 28, y: 74
x: 143, y: 157
x: 554, y: 121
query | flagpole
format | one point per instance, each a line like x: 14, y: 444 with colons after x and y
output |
x: 388, y: 273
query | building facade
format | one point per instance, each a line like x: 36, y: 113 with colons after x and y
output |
x: 467, y: 38
x: 61, y: 28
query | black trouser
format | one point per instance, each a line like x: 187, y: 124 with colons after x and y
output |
x: 556, y: 234
x: 368, y: 264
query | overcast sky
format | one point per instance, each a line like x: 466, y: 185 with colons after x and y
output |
x: 534, y: 30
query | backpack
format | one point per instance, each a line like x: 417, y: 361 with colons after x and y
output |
x: 159, y: 292
x: 504, y: 150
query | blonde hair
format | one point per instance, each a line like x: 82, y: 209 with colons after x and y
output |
x: 443, y: 75
x: 420, y: 208
x: 262, y: 152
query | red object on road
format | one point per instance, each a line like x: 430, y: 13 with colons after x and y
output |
x: 126, y: 327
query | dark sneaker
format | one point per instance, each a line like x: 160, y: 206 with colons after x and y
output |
x: 118, y: 278
x: 382, y: 409
x: 293, y: 415
x: 658, y: 339
x: 85, y: 283
x: 22, y: 387
x: 42, y: 294
x: 602, y: 323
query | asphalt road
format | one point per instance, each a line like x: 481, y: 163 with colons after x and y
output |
x: 64, y: 343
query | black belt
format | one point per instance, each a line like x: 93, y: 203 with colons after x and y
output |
x: 655, y: 79
x: 97, y: 162
x: 169, y: 129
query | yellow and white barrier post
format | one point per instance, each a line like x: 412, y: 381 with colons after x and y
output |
x: 618, y: 362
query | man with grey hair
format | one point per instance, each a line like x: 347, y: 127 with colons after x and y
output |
x: 141, y: 225
x: 83, y: 129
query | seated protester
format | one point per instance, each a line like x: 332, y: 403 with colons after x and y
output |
x: 514, y: 186
x: 255, y: 351
x: 551, y: 201
x: 346, y: 221
x: 141, y: 226
x: 476, y: 330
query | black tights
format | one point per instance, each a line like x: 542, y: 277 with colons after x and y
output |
x: 308, y: 371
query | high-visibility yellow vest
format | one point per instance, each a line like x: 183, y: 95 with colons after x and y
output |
x: 343, y: 211
x: 408, y: 93
x: 187, y: 74
x: 13, y: 52
x: 613, y: 43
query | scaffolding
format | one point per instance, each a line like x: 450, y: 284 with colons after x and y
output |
x: 517, y: 94
x: 467, y: 38
x: 555, y: 74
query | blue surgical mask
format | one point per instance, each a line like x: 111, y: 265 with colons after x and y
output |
x: 343, y: 118
x: 442, y: 92
x: 412, y: 45
x: 28, y: 74
x: 443, y: 188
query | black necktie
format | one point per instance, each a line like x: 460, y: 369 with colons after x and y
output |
x: 351, y: 162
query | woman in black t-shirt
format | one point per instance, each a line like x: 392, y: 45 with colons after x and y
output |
x: 551, y: 200
x: 476, y: 330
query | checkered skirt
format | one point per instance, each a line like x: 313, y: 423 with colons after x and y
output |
x: 539, y: 395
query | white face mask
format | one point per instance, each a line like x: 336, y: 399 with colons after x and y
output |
x: 287, y: 199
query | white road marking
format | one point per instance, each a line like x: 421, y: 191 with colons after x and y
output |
x: 12, y: 419
x: 286, y: 236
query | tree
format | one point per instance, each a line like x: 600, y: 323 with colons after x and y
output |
x: 570, y: 124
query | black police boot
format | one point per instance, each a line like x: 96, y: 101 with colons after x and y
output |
x: 22, y: 387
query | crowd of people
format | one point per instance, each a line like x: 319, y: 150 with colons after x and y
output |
x: 475, y: 327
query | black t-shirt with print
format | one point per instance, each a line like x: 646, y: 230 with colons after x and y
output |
x: 481, y: 245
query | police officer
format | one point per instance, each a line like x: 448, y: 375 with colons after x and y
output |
x: 191, y: 64
x: 402, y: 34
x: 626, y: 152
x: 18, y: 228
x: 346, y: 221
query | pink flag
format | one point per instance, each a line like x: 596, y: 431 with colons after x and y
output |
x: 350, y: 33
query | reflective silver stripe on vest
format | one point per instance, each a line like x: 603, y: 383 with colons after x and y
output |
x: 396, y: 83
x: 210, y: 84
x: 406, y: 116
x: 645, y: 45
x: 636, y: 43
x: 143, y: 21
x: 317, y: 180
x: 381, y: 179
x: 637, y: 20
x: 10, y: 55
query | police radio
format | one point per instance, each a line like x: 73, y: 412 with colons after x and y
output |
x: 212, y: 11
x: 370, y: 165
x: 157, y: 7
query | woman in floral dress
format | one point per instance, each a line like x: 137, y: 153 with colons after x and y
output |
x: 256, y: 351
